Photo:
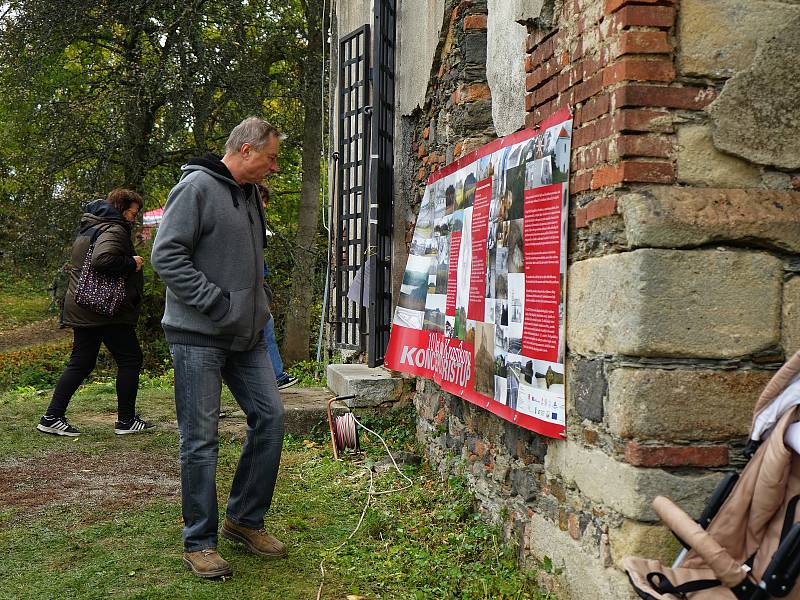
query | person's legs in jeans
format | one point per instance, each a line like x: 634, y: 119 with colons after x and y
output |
x: 198, y: 384
x: 272, y: 347
x: 124, y: 347
x: 252, y: 381
x: 85, y: 346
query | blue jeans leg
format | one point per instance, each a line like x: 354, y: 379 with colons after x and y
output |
x: 250, y: 377
x: 272, y: 347
x: 198, y: 384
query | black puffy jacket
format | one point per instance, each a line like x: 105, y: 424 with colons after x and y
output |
x: 113, y: 254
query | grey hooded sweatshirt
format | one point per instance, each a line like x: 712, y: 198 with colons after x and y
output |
x: 209, y: 251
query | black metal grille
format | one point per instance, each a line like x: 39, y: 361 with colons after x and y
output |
x: 350, y: 233
x: 381, y: 182
x: 363, y: 234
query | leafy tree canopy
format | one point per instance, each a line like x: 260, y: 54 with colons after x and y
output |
x: 122, y: 92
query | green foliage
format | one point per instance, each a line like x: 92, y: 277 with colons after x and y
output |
x: 36, y: 366
x: 124, y: 93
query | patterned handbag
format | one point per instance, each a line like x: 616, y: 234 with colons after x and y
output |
x: 99, y: 292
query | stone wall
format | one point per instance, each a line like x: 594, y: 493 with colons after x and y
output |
x: 683, y: 293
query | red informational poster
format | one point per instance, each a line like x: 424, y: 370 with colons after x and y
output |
x: 481, y: 307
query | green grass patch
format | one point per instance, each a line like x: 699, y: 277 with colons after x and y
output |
x: 22, y: 300
x: 419, y: 543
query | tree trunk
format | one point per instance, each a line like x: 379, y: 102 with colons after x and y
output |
x: 298, y: 315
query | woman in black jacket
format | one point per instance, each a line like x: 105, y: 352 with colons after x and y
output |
x: 112, y: 221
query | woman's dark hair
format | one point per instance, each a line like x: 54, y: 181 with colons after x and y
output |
x: 122, y: 198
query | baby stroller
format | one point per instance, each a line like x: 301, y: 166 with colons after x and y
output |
x: 746, y: 544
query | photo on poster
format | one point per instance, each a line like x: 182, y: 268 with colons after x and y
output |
x: 516, y: 298
x: 418, y: 244
x: 457, y: 221
x: 449, y: 326
x: 515, y: 373
x: 434, y: 312
x: 485, y: 167
x: 501, y: 309
x: 500, y: 340
x: 408, y: 318
x: 488, y: 312
x: 442, y: 226
x: 442, y: 264
x: 539, y: 172
x: 464, y: 261
x: 469, y: 190
x: 549, y: 376
x: 431, y: 280
x: 414, y: 288
x: 500, y: 389
x: 470, y: 337
x: 449, y: 197
x: 515, y: 192
x: 560, y: 151
x: 514, y: 339
x: 460, y: 192
x: 424, y: 224
x: 501, y: 275
x: 484, y: 359
x: 431, y: 247
x: 460, y: 324
x: 512, y: 240
x: 491, y: 260
x: 440, y: 201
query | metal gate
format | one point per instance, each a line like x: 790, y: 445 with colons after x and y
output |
x: 350, y: 234
x: 363, y: 234
x: 381, y: 172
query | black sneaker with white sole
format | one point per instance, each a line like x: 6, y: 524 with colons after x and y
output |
x: 286, y: 381
x: 135, y: 425
x: 56, y: 426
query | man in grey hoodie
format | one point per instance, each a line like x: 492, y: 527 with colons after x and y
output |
x: 209, y: 253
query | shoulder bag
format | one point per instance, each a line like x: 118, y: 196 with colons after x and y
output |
x: 99, y: 292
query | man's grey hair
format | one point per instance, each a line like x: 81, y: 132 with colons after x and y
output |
x: 254, y: 131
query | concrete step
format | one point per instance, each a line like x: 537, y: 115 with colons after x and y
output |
x: 305, y: 410
x: 371, y: 386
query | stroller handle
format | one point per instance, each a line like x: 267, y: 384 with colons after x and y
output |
x: 727, y: 570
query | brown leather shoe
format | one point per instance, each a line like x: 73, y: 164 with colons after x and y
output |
x: 257, y: 541
x: 206, y: 563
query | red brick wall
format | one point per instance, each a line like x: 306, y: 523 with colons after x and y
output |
x: 613, y: 63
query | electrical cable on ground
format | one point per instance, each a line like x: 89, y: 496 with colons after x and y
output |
x: 349, y: 434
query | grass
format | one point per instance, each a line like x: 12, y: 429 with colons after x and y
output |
x: 423, y: 542
x: 22, y: 301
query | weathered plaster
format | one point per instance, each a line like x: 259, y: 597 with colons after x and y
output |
x: 419, y: 26
x: 352, y: 15
x: 505, y: 72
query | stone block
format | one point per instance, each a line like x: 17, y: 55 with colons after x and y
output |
x: 790, y: 336
x: 673, y: 217
x: 582, y: 573
x: 756, y: 116
x: 700, y: 163
x: 623, y: 488
x: 371, y: 387
x: 718, y: 38
x: 641, y: 539
x: 589, y: 387
x: 701, y: 303
x: 681, y: 404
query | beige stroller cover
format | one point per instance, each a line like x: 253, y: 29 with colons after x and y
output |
x: 750, y: 521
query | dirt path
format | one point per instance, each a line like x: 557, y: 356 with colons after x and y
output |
x: 31, y: 334
x: 104, y: 482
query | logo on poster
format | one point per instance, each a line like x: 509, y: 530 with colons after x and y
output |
x: 451, y: 363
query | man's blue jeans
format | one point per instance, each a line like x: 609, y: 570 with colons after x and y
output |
x: 272, y: 347
x: 199, y: 372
